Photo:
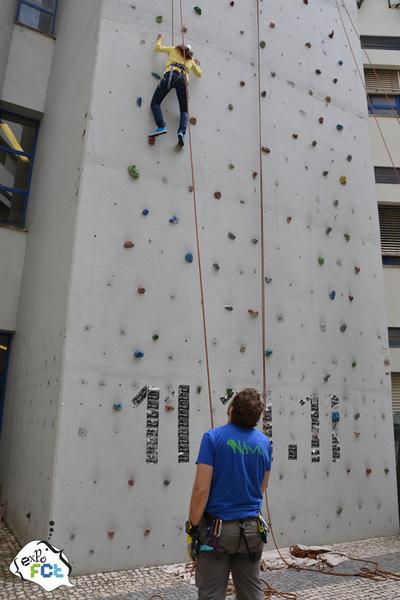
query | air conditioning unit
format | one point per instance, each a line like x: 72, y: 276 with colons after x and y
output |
x: 394, y: 3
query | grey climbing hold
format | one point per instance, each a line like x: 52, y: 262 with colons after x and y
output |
x: 228, y: 307
x: 328, y: 230
x: 231, y: 236
x: 254, y: 240
x: 216, y: 266
x: 268, y: 279
x: 166, y: 482
x: 326, y: 377
x: 82, y: 431
x: 343, y: 327
x: 230, y: 106
x: 349, y: 157
x: 356, y: 415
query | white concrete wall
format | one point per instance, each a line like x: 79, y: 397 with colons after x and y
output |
x: 29, y: 436
x: 8, y: 10
x: 108, y: 320
x: 28, y: 69
x: 12, y: 251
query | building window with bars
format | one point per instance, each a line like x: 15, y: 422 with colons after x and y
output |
x: 387, y: 175
x: 389, y: 222
x: 38, y: 14
x: 383, y: 91
x: 17, y: 148
x: 5, y: 345
x: 380, y: 42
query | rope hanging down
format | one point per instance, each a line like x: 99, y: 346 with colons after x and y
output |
x: 203, y: 310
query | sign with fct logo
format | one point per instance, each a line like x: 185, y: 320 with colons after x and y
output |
x: 43, y: 564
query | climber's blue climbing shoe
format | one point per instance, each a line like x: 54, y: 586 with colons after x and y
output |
x: 158, y: 131
x: 181, y: 138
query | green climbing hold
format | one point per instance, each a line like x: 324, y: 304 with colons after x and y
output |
x: 198, y: 389
x: 347, y: 236
x: 321, y: 260
x: 156, y: 76
x: 133, y: 172
x: 262, y: 44
x: 354, y: 364
x: 197, y: 10
x: 155, y: 337
x: 159, y: 19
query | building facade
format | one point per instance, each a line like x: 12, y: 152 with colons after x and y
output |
x: 116, y: 354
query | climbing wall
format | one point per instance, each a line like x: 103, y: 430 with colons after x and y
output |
x: 135, y: 400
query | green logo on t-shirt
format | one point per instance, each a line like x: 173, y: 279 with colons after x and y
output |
x: 243, y: 448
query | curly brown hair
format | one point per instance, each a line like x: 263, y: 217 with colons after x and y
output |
x: 185, y: 51
x: 247, y: 407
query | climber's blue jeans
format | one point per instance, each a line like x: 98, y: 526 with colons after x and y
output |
x: 178, y: 81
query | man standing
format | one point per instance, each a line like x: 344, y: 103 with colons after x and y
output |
x: 225, y: 530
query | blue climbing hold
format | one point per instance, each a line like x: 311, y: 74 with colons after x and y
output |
x: 332, y: 295
x: 145, y: 212
x: 189, y: 257
x: 340, y: 62
x: 117, y: 406
x: 139, y: 354
x: 139, y: 101
x: 174, y: 220
x: 268, y: 352
x: 335, y: 416
x: 339, y: 127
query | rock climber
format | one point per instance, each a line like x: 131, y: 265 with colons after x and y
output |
x: 226, y: 531
x: 179, y: 63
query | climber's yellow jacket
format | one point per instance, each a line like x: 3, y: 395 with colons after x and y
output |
x: 174, y: 56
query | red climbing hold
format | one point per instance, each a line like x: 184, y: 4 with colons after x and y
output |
x: 110, y: 534
x: 254, y: 174
x: 128, y: 244
x: 351, y: 298
x: 141, y: 290
x: 252, y: 312
x: 169, y: 408
x: 272, y: 25
x: 288, y: 220
x: 308, y: 44
x: 368, y: 471
x: 321, y: 120
x: 357, y: 270
x: 190, y: 188
x: 146, y: 532
x: 151, y: 140
x: 331, y: 35
x: 242, y: 83
x: 266, y: 149
x: 131, y: 482
x: 217, y: 195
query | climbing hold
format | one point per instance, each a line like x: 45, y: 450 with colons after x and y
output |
x: 325, y: 173
x: 348, y: 470
x: 346, y: 236
x: 332, y: 33
x: 386, y: 470
x: 141, y: 290
x: 335, y: 416
x: 110, y: 534
x: 326, y: 377
x: 145, y: 212
x: 305, y: 2
x: 295, y: 136
x: 133, y: 171
x: 82, y: 431
x: 343, y: 179
x: 321, y: 120
x: 268, y: 352
x: 169, y: 408
x: 328, y: 99
x: 332, y: 295
x: 193, y: 120
x: 357, y: 270
x: 155, y: 337
x: 230, y: 106
x: 242, y: 83
x: 266, y: 149
x: 349, y: 158
x: 242, y: 348
x: 336, y: 203
x: 356, y: 415
x: 254, y: 174
x: 139, y: 101
x: 252, y: 312
x: 313, y: 144
x: 272, y: 25
x: 307, y: 45
x: 343, y: 327
x: 138, y: 354
x: 217, y: 195
x: 254, y: 240
x: 268, y: 279
x: 184, y: 29
x: 156, y: 75
x: 368, y: 471
x: 228, y: 307
x: 128, y: 244
x: 131, y: 482
x: 335, y: 80
x: 174, y: 220
x: 117, y: 406
x: 232, y: 3
x: 262, y: 44
x: 151, y: 140
x: 340, y: 62
x: 354, y: 364
x: 321, y: 260
x: 263, y: 94
x: 231, y: 166
x: 339, y: 510
x: 216, y: 266
x: 166, y: 482
x: 197, y: 10
x: 189, y: 257
x: 318, y: 71
x: 351, y: 298
x: 146, y: 532
x: 288, y: 220
x: 339, y: 127
x: 328, y: 230
x: 357, y: 434
x: 159, y: 19
x: 231, y: 236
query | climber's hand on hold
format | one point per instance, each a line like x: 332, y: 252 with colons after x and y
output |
x: 159, y: 36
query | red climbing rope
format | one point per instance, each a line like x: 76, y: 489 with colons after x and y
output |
x: 262, y: 239
x: 193, y: 188
x: 365, y: 88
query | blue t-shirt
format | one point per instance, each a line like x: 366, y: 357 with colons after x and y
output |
x: 239, y: 458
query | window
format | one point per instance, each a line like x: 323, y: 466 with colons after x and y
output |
x: 387, y: 175
x: 5, y: 345
x: 395, y: 392
x: 17, y: 147
x: 380, y: 42
x: 383, y: 91
x: 389, y: 221
x: 394, y: 337
x: 38, y: 14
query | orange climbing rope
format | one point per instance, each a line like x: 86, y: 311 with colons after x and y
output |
x: 193, y: 188
x: 262, y: 238
x: 365, y: 88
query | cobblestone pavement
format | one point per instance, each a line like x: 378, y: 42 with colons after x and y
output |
x: 143, y: 584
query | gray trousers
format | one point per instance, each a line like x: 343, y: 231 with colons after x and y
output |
x: 213, y: 568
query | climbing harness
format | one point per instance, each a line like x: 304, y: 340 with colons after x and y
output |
x: 176, y: 68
